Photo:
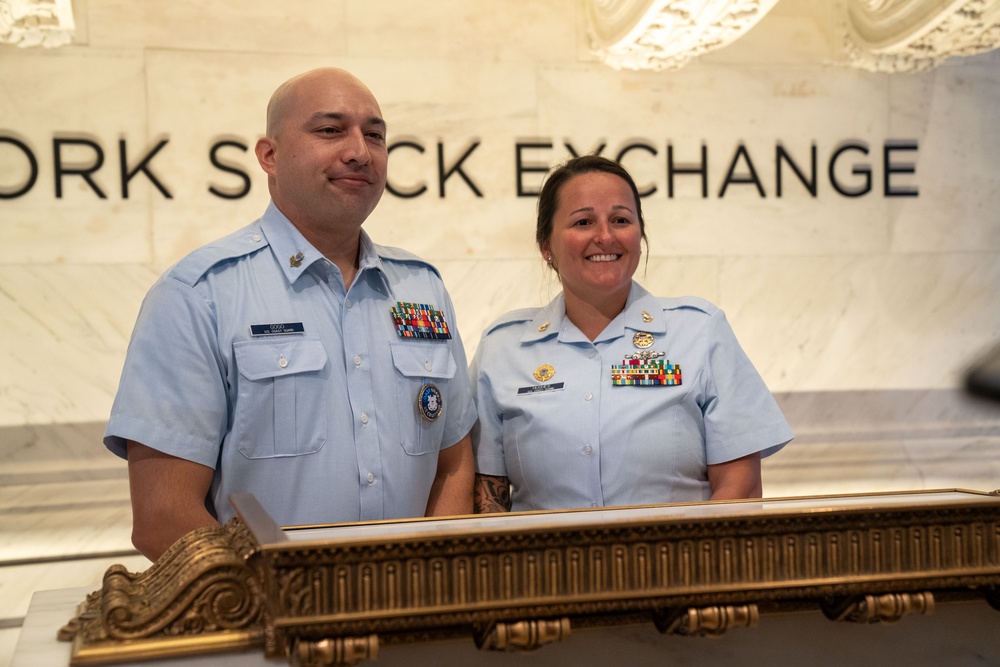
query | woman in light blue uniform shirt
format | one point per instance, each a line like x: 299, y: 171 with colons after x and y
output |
x: 610, y: 395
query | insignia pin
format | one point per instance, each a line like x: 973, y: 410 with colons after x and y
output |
x: 429, y: 402
x: 295, y: 260
x: 646, y: 317
x: 544, y: 326
x: 642, y: 339
x: 544, y: 373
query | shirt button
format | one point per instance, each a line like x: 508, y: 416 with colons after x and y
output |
x: 364, y: 418
x: 371, y: 479
x: 282, y: 362
x: 593, y: 504
x: 588, y: 396
x: 428, y: 365
x: 592, y: 354
x: 347, y: 302
x: 357, y: 359
x: 255, y: 238
x: 588, y: 450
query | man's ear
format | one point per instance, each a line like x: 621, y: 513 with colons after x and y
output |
x: 265, y: 154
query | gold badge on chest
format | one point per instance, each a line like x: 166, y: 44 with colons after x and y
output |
x: 544, y: 373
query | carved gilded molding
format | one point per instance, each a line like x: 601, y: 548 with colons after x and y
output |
x: 523, y: 635
x: 199, y: 597
x: 916, y: 35
x: 706, y: 621
x: 47, y: 23
x: 878, y: 608
x: 333, y: 595
x: 667, y: 34
x: 337, y: 652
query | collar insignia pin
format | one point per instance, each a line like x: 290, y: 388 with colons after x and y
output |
x: 544, y: 326
x: 646, y: 317
x: 295, y: 260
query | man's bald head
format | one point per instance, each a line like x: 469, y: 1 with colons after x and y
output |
x: 285, y: 95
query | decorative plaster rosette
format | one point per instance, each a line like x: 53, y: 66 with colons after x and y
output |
x: 915, y: 35
x: 666, y: 34
x: 47, y: 23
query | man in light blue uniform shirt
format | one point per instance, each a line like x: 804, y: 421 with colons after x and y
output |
x: 295, y: 359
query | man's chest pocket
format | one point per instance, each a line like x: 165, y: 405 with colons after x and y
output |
x: 422, y: 393
x: 281, y: 401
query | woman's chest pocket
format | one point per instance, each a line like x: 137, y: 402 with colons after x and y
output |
x: 281, y: 400
x: 424, y: 370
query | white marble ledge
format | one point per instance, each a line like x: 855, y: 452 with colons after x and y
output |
x: 18, y: 583
x: 862, y: 466
x: 53, y: 444
x: 55, y: 495
x: 74, y: 532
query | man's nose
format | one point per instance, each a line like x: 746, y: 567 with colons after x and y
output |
x: 356, y: 148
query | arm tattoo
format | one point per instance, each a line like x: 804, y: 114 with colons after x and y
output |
x: 492, y: 494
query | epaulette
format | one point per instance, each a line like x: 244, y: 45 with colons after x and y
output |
x: 513, y: 317
x: 196, y: 264
x: 399, y: 255
x: 693, y: 302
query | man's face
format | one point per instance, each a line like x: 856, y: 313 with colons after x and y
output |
x: 328, y: 156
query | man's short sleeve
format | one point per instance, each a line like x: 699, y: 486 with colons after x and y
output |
x: 172, y: 395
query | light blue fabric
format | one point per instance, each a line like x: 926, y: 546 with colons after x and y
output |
x: 321, y: 426
x: 592, y: 444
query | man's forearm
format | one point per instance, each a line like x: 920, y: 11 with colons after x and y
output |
x: 152, y: 536
x: 451, y: 493
x: 168, y: 498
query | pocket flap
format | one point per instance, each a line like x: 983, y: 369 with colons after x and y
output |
x: 258, y: 359
x: 431, y: 360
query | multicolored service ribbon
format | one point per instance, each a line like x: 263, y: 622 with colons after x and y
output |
x: 645, y: 373
x: 419, y: 320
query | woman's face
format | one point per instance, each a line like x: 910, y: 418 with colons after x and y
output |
x: 595, y: 241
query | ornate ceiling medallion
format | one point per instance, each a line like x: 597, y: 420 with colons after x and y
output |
x: 915, y: 35
x: 667, y: 34
x: 47, y: 23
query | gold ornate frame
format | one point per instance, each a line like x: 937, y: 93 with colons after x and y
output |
x: 331, y: 595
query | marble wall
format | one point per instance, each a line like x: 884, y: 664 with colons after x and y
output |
x: 826, y: 292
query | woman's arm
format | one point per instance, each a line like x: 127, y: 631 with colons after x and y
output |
x: 739, y: 478
x: 492, y: 494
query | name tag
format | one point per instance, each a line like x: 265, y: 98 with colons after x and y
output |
x: 279, y: 329
x: 539, y: 388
